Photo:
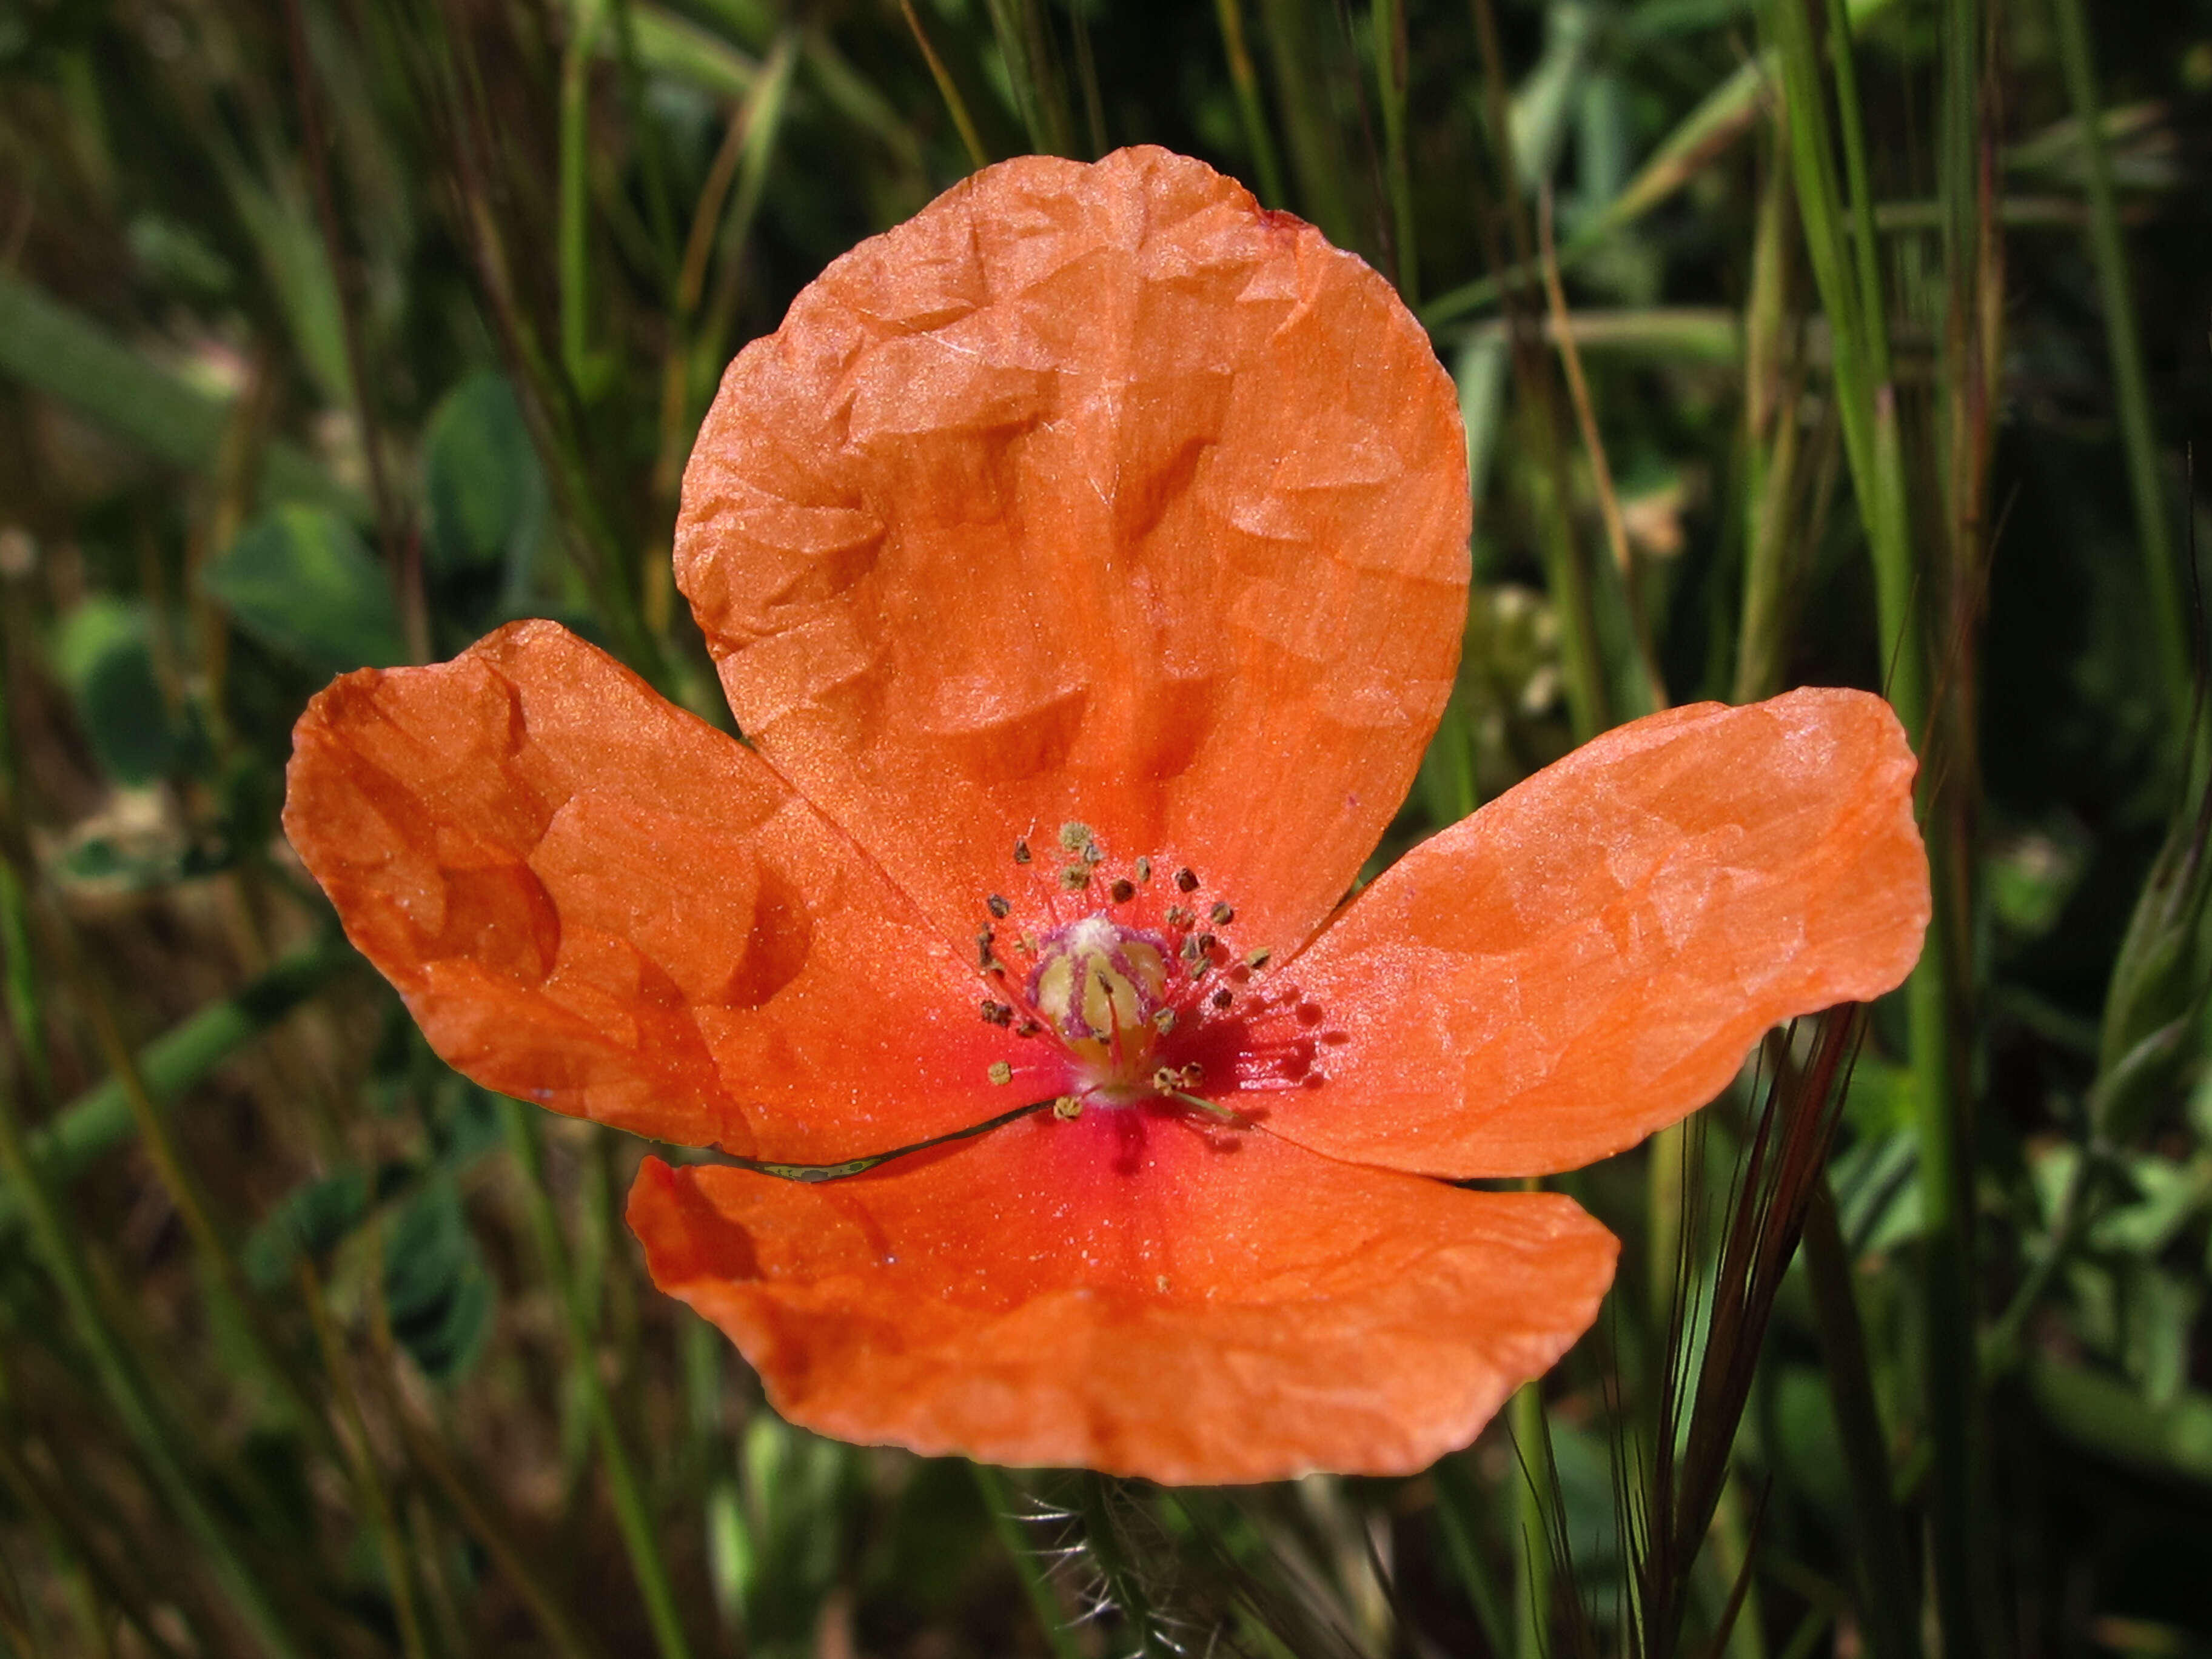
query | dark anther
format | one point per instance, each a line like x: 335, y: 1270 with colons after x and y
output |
x: 1028, y: 1027
x: 1222, y: 915
x: 1190, y: 953
x: 998, y: 1014
x: 1143, y: 869
x: 1123, y: 891
x: 1259, y: 958
x: 1206, y: 944
x: 997, y: 905
x: 1222, y: 998
x: 1021, y: 852
x: 1179, y: 917
x: 1186, y: 880
x: 983, y: 942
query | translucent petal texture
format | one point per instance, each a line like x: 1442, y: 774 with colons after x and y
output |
x: 1589, y: 956
x: 592, y: 899
x: 1132, y: 1293
x: 1096, y: 494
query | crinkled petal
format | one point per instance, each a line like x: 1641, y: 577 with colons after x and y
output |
x: 593, y: 901
x: 1135, y: 1293
x: 1589, y: 957
x: 1090, y: 494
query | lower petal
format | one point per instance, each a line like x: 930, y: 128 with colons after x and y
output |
x: 1135, y: 1292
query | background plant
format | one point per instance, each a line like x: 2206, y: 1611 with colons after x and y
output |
x: 1798, y: 341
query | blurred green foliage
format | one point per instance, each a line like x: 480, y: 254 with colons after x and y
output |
x: 338, y: 332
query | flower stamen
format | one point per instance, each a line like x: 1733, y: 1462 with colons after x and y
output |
x: 1131, y: 1010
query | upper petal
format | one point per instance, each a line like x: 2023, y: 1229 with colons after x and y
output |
x: 1098, y: 494
x: 1589, y: 957
x: 1132, y: 1293
x: 592, y: 899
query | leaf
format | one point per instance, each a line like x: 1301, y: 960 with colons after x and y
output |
x: 463, y: 1122
x: 173, y: 251
x: 302, y: 582
x: 2105, y: 1414
x: 2162, y: 1313
x: 104, y: 655
x: 1807, y: 1440
x: 313, y: 1219
x: 2165, y: 1198
x: 481, y: 482
x: 436, y: 1288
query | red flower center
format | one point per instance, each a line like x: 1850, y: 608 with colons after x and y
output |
x: 1143, y: 1001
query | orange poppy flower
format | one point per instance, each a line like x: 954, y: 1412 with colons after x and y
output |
x: 1086, y: 560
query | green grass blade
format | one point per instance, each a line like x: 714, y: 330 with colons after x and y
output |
x: 69, y: 357
x: 1250, y: 112
x: 1888, y: 1594
x: 119, y: 1381
x: 1771, y: 426
x: 1303, y: 102
x: 2162, y: 573
x: 624, y: 1483
x: 1033, y: 70
x: 2107, y: 1415
x: 1390, y: 73
x: 1725, y: 114
x: 947, y: 88
x: 100, y: 1119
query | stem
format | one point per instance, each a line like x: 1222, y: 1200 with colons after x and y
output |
x: 25, y: 1015
x: 1649, y: 690
x: 1249, y: 110
x: 361, y: 1457
x: 948, y: 91
x: 1770, y: 428
x: 1315, y: 142
x: 1887, y: 1596
x: 402, y: 549
x: 1458, y: 1508
x: 118, y: 1379
x: 631, y: 1513
x: 1727, y: 1566
x: 1051, y: 1617
x: 563, y: 1634
x: 101, y: 1118
x: 1532, y: 1552
x: 1582, y: 655
x: 1025, y: 47
x: 1867, y: 409
x: 2123, y: 344
x: 572, y: 232
x: 1389, y: 21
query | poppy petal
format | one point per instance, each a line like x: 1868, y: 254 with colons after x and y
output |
x: 1589, y: 957
x: 1098, y: 495
x: 1133, y: 1292
x: 593, y: 901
